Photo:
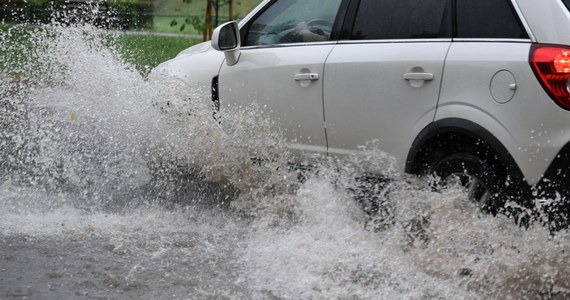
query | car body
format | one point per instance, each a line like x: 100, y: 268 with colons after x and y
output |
x: 445, y: 86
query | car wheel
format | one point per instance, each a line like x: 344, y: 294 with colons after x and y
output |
x: 480, y: 179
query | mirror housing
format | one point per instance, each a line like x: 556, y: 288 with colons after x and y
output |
x: 226, y: 38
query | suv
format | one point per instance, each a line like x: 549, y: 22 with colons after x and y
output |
x: 477, y: 89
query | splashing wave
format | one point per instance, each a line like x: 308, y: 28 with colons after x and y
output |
x: 133, y: 178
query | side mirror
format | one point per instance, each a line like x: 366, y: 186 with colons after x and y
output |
x: 226, y: 39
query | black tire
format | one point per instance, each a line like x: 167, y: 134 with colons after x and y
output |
x: 483, y: 181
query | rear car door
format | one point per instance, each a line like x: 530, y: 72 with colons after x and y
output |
x: 280, y: 68
x: 382, y: 81
x: 488, y: 80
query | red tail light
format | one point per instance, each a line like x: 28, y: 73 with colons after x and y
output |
x: 551, y: 64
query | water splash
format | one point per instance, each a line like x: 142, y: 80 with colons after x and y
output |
x: 157, y: 198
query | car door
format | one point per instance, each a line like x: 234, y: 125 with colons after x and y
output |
x: 281, y: 67
x: 382, y: 81
x: 488, y: 81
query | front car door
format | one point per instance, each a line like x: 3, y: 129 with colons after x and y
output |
x: 382, y: 81
x: 281, y: 67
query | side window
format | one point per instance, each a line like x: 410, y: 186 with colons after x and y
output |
x: 402, y: 19
x: 488, y: 19
x: 293, y: 21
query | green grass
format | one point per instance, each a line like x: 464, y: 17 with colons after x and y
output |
x: 147, y: 51
x: 162, y: 24
x: 142, y: 51
x: 15, y: 49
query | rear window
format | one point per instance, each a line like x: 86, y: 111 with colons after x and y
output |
x: 567, y: 3
x: 488, y: 19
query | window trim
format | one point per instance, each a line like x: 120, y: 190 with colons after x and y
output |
x: 436, y: 40
x: 492, y: 40
x: 394, y: 41
x: 287, y: 45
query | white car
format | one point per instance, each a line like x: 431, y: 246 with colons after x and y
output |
x: 478, y: 89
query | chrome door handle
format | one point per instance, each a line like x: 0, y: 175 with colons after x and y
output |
x: 306, y: 76
x: 419, y: 76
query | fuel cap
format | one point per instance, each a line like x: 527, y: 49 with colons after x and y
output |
x: 503, y: 86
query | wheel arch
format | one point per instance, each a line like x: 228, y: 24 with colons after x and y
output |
x: 451, y: 135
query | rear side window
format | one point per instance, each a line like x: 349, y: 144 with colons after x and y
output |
x: 402, y: 19
x: 488, y: 19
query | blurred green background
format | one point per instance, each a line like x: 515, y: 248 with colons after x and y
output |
x: 154, y: 31
x: 180, y: 16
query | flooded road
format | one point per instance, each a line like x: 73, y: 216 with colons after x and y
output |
x: 115, y: 186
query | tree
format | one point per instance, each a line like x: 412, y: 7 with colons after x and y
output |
x: 211, y: 18
x: 214, y: 21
